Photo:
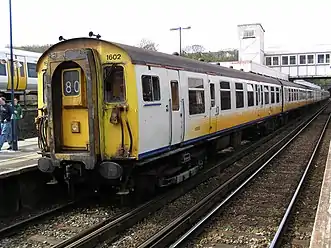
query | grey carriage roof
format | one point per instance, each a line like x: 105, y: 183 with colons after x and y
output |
x: 143, y: 56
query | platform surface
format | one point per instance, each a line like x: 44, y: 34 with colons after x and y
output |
x: 17, y: 162
x: 321, y: 235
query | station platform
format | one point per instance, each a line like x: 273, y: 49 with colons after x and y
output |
x: 17, y: 162
x: 321, y: 235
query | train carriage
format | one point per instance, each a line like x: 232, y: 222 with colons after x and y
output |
x: 25, y: 76
x: 130, y: 113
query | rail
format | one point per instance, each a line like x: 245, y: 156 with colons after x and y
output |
x: 171, y: 232
x: 8, y: 230
x: 109, y: 228
x: 281, y: 229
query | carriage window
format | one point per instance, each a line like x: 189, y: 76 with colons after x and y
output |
x: 32, y: 71
x: 256, y: 95
x: 151, y: 88
x: 250, y: 95
x: 266, y: 94
x: 22, y: 73
x: 239, y: 95
x: 3, y: 70
x: 277, y: 95
x: 114, y: 84
x: 225, y: 95
x: 196, y: 96
x: 290, y: 95
x: 261, y: 95
x: 174, y: 95
x: 212, y: 95
x: 272, y: 89
x: 71, y: 82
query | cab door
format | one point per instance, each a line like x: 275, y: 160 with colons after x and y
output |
x: 214, y: 108
x: 175, y: 110
x: 75, y: 121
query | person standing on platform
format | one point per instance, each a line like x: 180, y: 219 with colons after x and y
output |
x: 18, y: 115
x: 6, y: 113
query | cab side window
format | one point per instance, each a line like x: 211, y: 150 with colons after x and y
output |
x: 114, y: 83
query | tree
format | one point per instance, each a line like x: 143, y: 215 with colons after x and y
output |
x: 33, y: 48
x: 198, y: 52
x: 148, y: 45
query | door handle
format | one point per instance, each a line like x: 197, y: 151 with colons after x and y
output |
x: 167, y: 108
x: 217, y: 110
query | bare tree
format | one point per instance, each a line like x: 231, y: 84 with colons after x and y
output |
x: 197, y: 48
x: 148, y: 44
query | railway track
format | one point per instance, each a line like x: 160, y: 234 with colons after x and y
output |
x: 110, y: 228
x: 259, y: 199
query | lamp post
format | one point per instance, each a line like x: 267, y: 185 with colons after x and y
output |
x: 180, y: 36
x: 14, y: 139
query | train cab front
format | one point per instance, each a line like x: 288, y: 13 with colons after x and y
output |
x: 70, y: 98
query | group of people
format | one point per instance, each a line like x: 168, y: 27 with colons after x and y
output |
x: 7, y: 113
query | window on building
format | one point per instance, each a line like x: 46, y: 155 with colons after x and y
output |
x: 293, y: 60
x: 250, y: 95
x: 174, y: 95
x: 275, y: 60
x: 32, y: 70
x: 3, y: 70
x: 272, y: 91
x: 196, y: 96
x: 277, y: 95
x: 320, y: 58
x: 249, y: 34
x: 284, y: 60
x: 268, y: 60
x: 239, y: 95
x: 225, y: 95
x: 310, y: 59
x: 302, y: 59
x: 114, y: 84
x: 266, y: 94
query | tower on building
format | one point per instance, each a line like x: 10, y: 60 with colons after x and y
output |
x: 251, y: 43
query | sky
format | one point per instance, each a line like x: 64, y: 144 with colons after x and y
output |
x: 288, y: 23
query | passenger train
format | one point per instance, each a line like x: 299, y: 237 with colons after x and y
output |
x: 138, y: 119
x: 25, y: 75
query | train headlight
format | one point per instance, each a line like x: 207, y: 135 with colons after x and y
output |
x: 75, y: 127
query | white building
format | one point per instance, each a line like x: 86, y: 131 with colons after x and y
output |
x: 308, y: 62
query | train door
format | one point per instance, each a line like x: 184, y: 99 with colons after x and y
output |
x: 16, y: 74
x: 175, y: 110
x: 214, y: 108
x: 22, y: 74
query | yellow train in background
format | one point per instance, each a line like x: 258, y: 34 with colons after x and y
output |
x: 133, y: 118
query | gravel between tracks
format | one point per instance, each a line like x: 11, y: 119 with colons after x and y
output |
x: 253, y: 217
x: 58, y: 228
x: 302, y: 221
x: 156, y: 221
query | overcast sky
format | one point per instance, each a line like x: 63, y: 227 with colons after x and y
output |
x: 214, y: 22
